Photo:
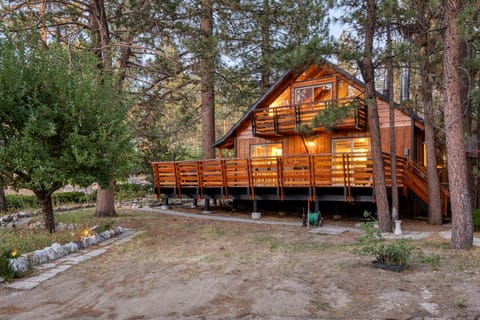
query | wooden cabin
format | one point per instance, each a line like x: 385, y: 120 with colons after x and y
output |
x: 283, y: 150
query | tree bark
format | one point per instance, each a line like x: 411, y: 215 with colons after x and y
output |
x: 105, y: 204
x: 207, y: 70
x: 45, y: 200
x: 3, y: 200
x: 391, y: 103
x: 433, y: 181
x: 460, y: 198
x: 367, y: 69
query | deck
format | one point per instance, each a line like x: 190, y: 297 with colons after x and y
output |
x: 283, y: 120
x: 320, y: 177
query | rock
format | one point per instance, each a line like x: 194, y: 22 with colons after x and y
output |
x: 39, y: 257
x: 119, y: 230
x: 7, y: 218
x: 71, y: 247
x: 60, y: 227
x: 59, y: 250
x: 92, y: 239
x: 19, y: 265
x: 11, y: 225
x: 51, y: 253
x: 106, y: 234
x: 85, y: 242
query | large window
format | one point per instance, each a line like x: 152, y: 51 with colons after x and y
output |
x: 351, y: 145
x: 266, y: 150
x: 314, y: 94
x: 351, y: 162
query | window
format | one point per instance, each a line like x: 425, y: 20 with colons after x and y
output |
x: 347, y: 91
x: 314, y: 94
x: 351, y: 162
x: 351, y: 145
x: 266, y: 150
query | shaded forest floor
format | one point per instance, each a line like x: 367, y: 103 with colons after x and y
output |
x: 190, y: 268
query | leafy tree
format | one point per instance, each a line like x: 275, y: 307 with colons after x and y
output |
x: 62, y: 122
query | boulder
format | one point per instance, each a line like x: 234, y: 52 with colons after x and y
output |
x: 19, y: 264
x: 71, y: 247
x: 59, y: 250
x: 40, y: 256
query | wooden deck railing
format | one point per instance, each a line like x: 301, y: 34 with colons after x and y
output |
x: 416, y: 180
x: 347, y: 170
x: 285, y: 119
x: 289, y: 171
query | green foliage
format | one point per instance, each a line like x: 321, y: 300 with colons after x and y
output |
x: 69, y: 197
x: 21, y: 202
x: 64, y: 121
x: 6, y: 272
x: 476, y: 219
x: 330, y: 117
x: 371, y: 243
x: 27, y: 240
x: 126, y: 191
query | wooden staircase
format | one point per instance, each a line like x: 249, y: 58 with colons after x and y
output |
x: 415, y: 179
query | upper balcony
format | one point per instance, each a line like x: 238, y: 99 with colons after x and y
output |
x: 284, y: 120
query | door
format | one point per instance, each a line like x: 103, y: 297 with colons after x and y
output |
x: 351, y: 162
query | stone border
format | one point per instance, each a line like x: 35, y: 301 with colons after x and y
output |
x: 56, y: 251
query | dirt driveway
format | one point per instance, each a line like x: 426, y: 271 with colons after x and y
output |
x: 189, y: 269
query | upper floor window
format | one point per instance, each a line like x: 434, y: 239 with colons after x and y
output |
x: 314, y: 94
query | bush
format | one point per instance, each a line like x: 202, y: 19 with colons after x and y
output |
x: 6, y: 272
x: 127, y: 191
x: 18, y: 202
x: 476, y: 219
x: 69, y: 197
x: 371, y: 243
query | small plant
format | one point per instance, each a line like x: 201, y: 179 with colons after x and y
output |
x: 476, y: 219
x: 371, y: 243
x: 6, y: 272
x: 461, y: 303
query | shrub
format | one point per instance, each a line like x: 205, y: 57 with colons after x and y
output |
x: 476, y: 219
x: 372, y: 243
x: 6, y: 272
x: 127, y: 191
x: 69, y: 197
x: 18, y: 202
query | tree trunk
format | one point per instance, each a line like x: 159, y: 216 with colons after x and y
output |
x: 433, y: 181
x: 45, y: 201
x: 460, y: 198
x: 367, y: 69
x: 100, y: 32
x: 105, y: 205
x: 207, y: 70
x: 264, y: 62
x: 391, y: 103
x: 3, y: 200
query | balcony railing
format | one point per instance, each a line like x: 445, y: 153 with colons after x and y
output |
x: 285, y: 119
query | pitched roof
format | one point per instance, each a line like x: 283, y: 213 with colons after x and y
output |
x: 289, y: 74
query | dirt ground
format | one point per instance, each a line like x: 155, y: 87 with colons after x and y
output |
x: 186, y: 268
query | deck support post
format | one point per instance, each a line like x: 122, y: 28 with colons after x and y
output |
x: 255, y: 214
x: 195, y: 203
x: 164, y: 202
x: 206, y: 208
